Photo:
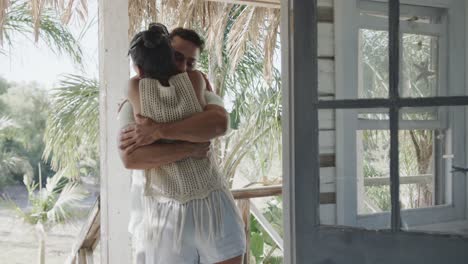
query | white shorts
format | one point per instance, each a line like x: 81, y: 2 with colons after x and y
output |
x: 195, y: 249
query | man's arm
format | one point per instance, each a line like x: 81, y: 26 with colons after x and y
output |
x: 200, y: 127
x: 157, y: 154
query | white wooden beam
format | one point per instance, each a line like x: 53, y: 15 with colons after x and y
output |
x: 115, y: 180
x: 301, y: 190
x: 259, y: 3
x: 268, y: 3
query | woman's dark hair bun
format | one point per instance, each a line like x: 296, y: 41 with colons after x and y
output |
x: 152, y: 52
x: 158, y: 27
x: 155, y: 34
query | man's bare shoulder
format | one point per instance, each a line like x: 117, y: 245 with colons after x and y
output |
x: 196, y: 78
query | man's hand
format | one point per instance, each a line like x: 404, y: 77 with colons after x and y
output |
x: 144, y: 132
x: 200, y: 150
x: 209, y: 87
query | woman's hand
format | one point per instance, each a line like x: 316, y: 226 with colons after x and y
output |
x: 144, y: 132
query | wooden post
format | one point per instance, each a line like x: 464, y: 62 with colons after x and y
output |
x: 82, y: 256
x: 115, y: 180
x: 244, y: 208
x: 89, y: 256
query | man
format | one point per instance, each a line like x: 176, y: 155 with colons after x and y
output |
x: 188, y: 46
x: 199, y: 128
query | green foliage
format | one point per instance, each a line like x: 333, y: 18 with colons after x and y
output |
x: 72, y: 131
x: 19, y: 22
x: 262, y: 248
x: 274, y: 214
x: 4, y: 85
x: 21, y: 143
x: 256, y: 245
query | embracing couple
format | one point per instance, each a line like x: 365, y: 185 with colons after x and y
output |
x: 182, y: 209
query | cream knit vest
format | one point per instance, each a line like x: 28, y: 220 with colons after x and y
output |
x: 190, y: 178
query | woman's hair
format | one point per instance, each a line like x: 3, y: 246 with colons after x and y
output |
x: 151, y: 51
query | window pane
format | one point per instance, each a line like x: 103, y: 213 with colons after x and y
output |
x: 373, y: 148
x: 411, y: 13
x: 432, y: 195
x: 417, y: 167
x: 420, y: 114
x: 420, y: 76
x: 349, y: 158
x: 373, y: 64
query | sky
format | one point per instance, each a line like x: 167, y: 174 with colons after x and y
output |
x: 28, y: 62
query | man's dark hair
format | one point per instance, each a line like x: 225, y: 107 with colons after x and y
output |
x: 151, y: 50
x: 189, y: 35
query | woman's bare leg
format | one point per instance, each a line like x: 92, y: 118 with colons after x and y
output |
x: 235, y: 260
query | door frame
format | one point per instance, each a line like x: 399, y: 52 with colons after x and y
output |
x: 306, y: 241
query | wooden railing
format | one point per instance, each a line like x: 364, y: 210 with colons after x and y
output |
x: 88, y: 238
x: 382, y: 181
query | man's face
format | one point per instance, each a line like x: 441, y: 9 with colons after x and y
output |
x: 186, y: 54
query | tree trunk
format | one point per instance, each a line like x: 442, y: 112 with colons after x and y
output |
x: 40, y: 232
x: 423, y: 144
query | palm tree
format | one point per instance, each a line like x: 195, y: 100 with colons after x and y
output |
x: 228, y: 28
x: 73, y: 125
x: 48, y: 27
x: 255, y: 118
x: 57, y: 203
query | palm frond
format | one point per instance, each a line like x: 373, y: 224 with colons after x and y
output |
x: 72, y: 125
x: 50, y: 205
x: 65, y: 208
x: 18, y: 21
x: 141, y: 13
x: 4, y: 5
x: 12, y: 163
x: 216, y: 31
x: 8, y: 203
x: 56, y: 183
x: 7, y: 123
x: 37, y: 7
x: 271, y: 43
x: 72, y: 8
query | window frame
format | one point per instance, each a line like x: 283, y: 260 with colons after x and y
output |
x: 347, y: 29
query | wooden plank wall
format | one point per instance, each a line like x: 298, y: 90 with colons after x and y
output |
x: 326, y: 68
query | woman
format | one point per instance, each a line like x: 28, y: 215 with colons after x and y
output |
x: 189, y: 215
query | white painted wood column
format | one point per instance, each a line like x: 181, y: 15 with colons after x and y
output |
x: 115, y: 180
x: 466, y: 92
